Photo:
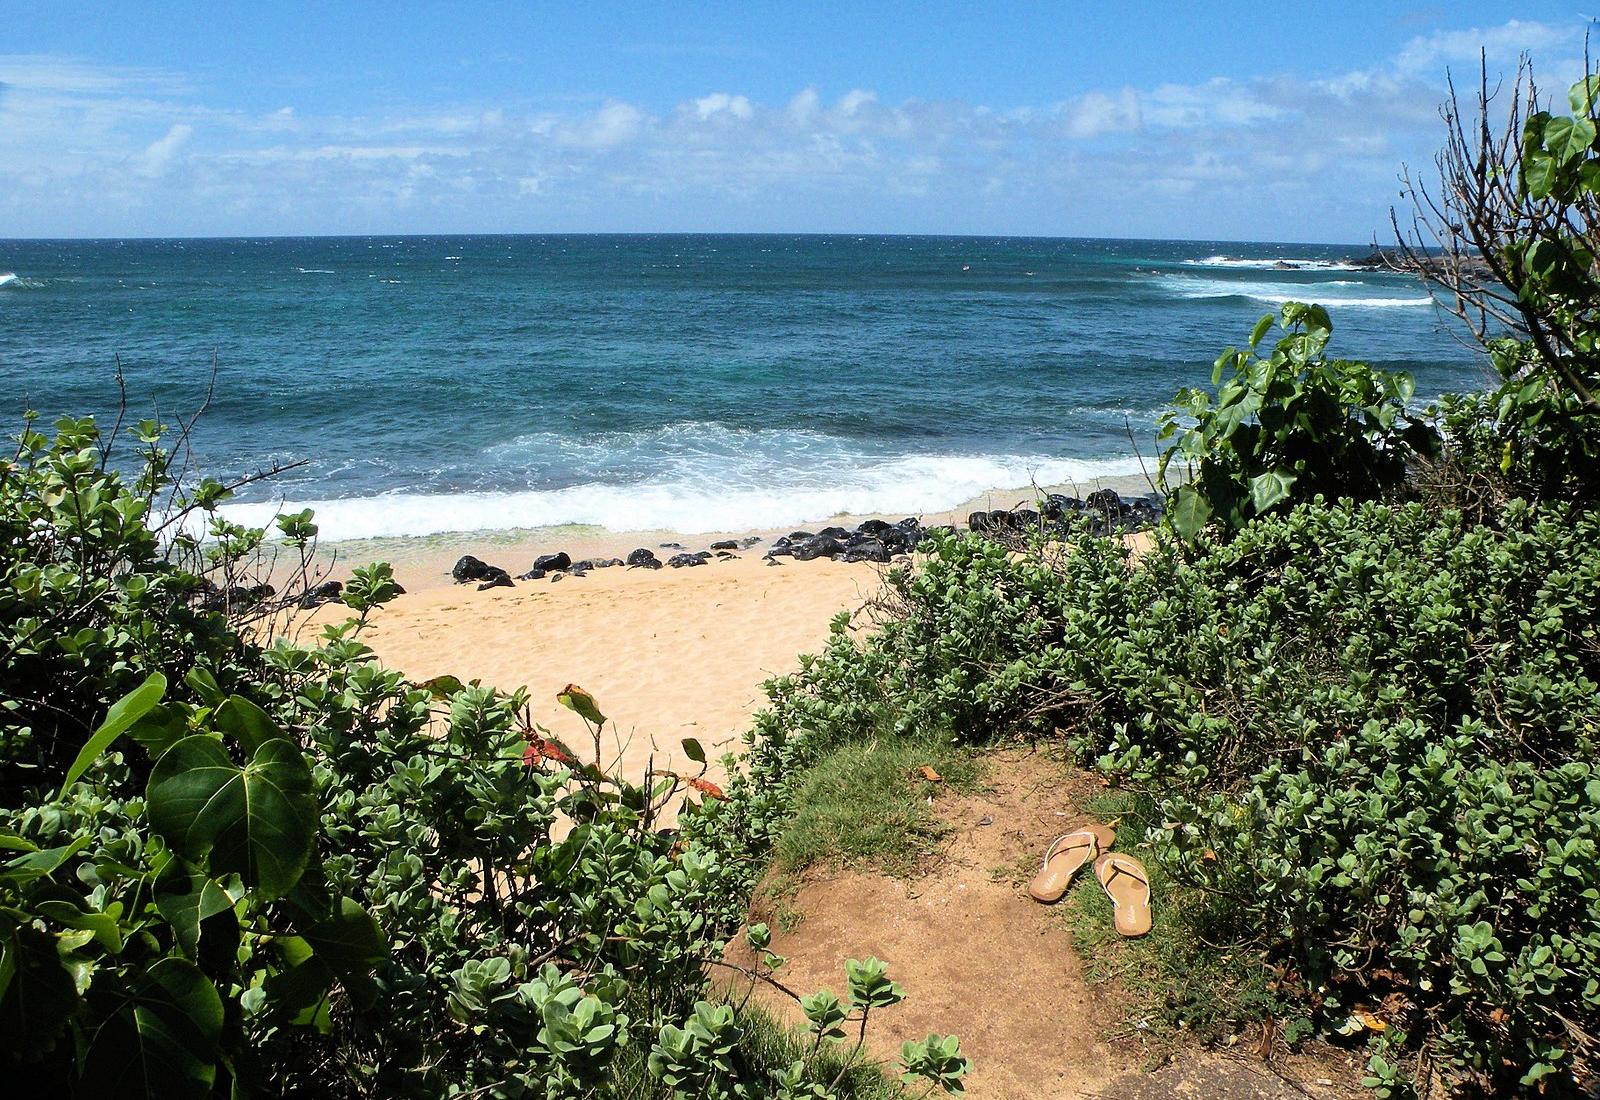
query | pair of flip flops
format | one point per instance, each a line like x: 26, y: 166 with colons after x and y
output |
x: 1122, y: 877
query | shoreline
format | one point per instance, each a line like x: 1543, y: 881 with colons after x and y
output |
x: 423, y: 562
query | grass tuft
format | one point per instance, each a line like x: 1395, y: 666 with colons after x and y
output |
x: 869, y: 804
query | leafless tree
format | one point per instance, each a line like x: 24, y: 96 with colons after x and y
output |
x: 1468, y: 233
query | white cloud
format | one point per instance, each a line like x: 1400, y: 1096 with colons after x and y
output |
x: 721, y: 103
x: 1430, y: 53
x: 805, y: 107
x: 157, y: 156
x: 108, y: 150
x: 1101, y: 113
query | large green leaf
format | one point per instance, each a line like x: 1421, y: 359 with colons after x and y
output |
x: 123, y: 713
x: 159, y: 1040
x: 187, y: 898
x: 247, y: 722
x: 1270, y: 488
x: 1582, y: 94
x: 1567, y: 139
x: 258, y: 821
x: 1190, y: 511
x: 349, y: 939
x: 1539, y: 173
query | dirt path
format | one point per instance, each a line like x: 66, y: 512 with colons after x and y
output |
x: 976, y: 955
x: 981, y: 959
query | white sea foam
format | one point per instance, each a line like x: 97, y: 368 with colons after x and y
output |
x: 313, y: 271
x: 7, y: 277
x: 1330, y: 292
x: 1271, y: 263
x: 909, y: 485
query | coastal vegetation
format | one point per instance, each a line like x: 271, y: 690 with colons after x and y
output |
x: 1349, y: 699
x: 1353, y: 693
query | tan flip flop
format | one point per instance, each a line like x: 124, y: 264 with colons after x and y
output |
x: 1066, y: 855
x: 1127, y: 884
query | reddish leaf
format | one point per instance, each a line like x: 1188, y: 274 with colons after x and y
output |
x: 541, y: 749
x: 707, y: 788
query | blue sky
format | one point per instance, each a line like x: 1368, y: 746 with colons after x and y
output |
x: 1200, y: 120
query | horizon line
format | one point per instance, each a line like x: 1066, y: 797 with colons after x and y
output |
x: 677, y: 233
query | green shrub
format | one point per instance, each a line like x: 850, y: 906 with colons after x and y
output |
x: 1371, y: 730
x: 1527, y: 438
x: 238, y: 867
x: 1288, y: 427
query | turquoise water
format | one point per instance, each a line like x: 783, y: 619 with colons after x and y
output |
x: 685, y: 382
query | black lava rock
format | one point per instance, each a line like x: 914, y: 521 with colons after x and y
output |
x: 553, y: 563
x: 469, y: 568
x: 498, y: 579
x: 678, y: 561
x: 1107, y: 502
x: 326, y: 592
x: 818, y: 546
x: 867, y: 550
x: 873, y: 526
x: 1056, y: 506
x: 643, y: 559
x: 833, y: 533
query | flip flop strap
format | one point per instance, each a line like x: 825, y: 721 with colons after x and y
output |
x: 1056, y: 845
x: 1117, y: 869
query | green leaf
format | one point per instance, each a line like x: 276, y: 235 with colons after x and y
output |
x: 1539, y: 174
x: 160, y: 1040
x: 1270, y: 488
x: 350, y: 939
x: 692, y: 749
x: 442, y: 687
x: 204, y: 684
x: 1582, y: 94
x: 1567, y: 139
x: 574, y: 698
x: 1190, y: 511
x: 37, y: 864
x: 258, y: 821
x: 247, y: 722
x: 1263, y: 326
x: 102, y: 926
x: 187, y: 898
x: 123, y: 713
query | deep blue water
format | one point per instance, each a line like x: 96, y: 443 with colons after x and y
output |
x: 687, y: 382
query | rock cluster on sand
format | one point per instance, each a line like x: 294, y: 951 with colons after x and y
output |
x: 873, y: 540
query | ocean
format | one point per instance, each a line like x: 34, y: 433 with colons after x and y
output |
x: 687, y: 383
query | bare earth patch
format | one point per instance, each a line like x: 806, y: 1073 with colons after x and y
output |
x: 981, y: 959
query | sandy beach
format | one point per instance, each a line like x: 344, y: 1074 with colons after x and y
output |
x: 668, y: 653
